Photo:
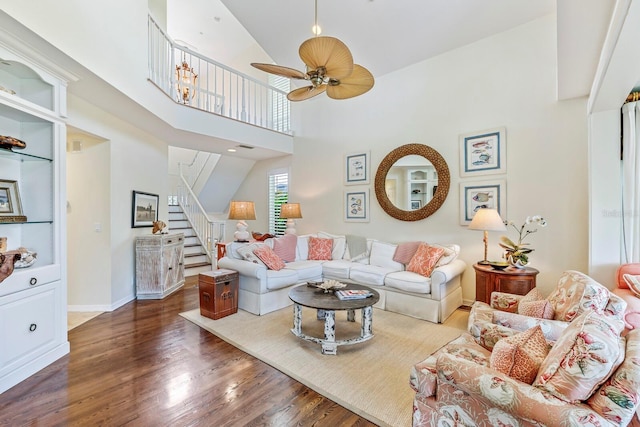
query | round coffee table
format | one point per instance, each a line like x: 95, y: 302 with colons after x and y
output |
x: 327, y: 304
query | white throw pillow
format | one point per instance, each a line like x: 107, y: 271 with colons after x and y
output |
x: 382, y: 256
x: 302, y: 247
x: 246, y: 252
x: 451, y: 252
x: 339, y: 244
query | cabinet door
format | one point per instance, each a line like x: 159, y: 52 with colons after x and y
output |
x: 483, y: 287
x: 28, y: 324
x: 518, y: 285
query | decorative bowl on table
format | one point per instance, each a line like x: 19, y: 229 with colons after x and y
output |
x: 498, y: 265
x: 328, y: 285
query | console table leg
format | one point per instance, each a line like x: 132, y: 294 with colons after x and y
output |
x: 367, y: 322
x: 297, y: 319
x: 351, y: 315
x: 329, y: 345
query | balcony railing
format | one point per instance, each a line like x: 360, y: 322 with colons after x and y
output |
x: 218, y: 89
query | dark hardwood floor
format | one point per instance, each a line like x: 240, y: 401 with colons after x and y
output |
x: 143, y: 365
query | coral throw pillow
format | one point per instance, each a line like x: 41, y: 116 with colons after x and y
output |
x: 405, y: 251
x: 320, y: 249
x: 269, y: 257
x: 584, y: 356
x: 520, y: 356
x: 285, y: 247
x: 425, y: 259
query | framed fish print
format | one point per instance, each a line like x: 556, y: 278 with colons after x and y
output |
x: 475, y: 195
x: 483, y: 153
x: 356, y: 206
x: 357, y: 168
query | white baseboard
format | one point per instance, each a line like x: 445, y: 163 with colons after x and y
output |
x: 468, y: 302
x: 102, y: 307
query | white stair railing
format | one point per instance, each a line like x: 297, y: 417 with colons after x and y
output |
x: 218, y: 89
x: 208, y: 232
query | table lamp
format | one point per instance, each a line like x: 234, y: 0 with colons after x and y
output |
x: 242, y: 211
x: 290, y: 211
x: 486, y: 220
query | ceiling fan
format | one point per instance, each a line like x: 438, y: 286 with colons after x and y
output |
x: 329, y: 68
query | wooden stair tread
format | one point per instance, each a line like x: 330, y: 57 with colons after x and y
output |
x: 194, y: 255
x: 200, y: 264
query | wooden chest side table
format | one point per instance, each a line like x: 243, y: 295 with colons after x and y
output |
x: 512, y: 280
x: 218, y: 293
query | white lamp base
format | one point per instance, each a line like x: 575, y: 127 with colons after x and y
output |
x: 291, y: 227
x: 241, y: 235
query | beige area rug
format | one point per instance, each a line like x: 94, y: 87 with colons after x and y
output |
x: 369, y: 378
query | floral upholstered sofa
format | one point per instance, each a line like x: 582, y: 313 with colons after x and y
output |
x: 413, y: 278
x: 588, y: 376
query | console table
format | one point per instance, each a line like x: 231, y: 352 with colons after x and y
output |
x: 512, y: 280
x: 159, y: 265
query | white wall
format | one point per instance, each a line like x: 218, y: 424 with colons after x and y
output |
x: 137, y: 162
x: 88, y: 208
x: 506, y: 80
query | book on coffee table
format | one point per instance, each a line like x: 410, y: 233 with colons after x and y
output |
x: 346, y: 294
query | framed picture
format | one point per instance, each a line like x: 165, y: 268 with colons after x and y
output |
x: 10, y: 204
x: 356, y: 168
x: 356, y: 206
x: 477, y: 195
x: 416, y: 204
x: 144, y: 209
x: 483, y: 153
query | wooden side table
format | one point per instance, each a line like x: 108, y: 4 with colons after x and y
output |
x: 218, y: 293
x: 512, y: 280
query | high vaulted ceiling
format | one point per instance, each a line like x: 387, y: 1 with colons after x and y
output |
x: 387, y: 35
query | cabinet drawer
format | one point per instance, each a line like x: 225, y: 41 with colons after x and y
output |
x: 31, y: 277
x: 29, y: 323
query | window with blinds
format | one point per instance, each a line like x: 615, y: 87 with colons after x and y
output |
x: 280, y: 103
x: 278, y: 194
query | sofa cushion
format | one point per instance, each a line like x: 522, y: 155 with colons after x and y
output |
x: 382, y: 256
x: 307, y: 270
x: 405, y: 251
x: 246, y: 253
x: 541, y: 309
x: 302, y: 247
x: 338, y: 246
x: 576, y: 292
x: 585, y: 355
x: 520, y: 356
x: 336, y: 269
x: 285, y: 247
x: 320, y: 248
x: 368, y: 274
x: 269, y: 257
x: 408, y: 281
x: 425, y: 259
x: 278, y: 279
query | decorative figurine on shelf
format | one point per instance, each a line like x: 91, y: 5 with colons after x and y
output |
x: 27, y: 258
x: 7, y: 261
x: 9, y: 142
x: 159, y: 227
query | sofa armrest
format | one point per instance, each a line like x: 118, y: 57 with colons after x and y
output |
x: 444, y: 274
x: 494, y: 389
x: 244, y: 268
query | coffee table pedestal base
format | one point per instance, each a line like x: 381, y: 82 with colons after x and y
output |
x: 329, y: 343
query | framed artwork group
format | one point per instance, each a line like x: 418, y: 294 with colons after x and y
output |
x: 482, y: 153
x: 357, y: 171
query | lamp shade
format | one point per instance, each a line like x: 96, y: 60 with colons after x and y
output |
x: 290, y: 210
x: 242, y: 210
x: 487, y: 220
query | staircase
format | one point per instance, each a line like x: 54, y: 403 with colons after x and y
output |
x: 196, y: 259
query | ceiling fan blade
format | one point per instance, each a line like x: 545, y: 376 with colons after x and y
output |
x: 280, y: 70
x: 327, y: 52
x: 359, y: 82
x: 305, y: 92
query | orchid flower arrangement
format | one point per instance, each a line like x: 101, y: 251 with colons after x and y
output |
x: 520, y: 251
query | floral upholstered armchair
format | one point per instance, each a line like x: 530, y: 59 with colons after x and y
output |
x: 588, y: 376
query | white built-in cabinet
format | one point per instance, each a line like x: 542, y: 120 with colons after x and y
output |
x: 33, y: 300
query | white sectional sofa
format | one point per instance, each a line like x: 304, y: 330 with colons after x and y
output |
x: 431, y: 298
